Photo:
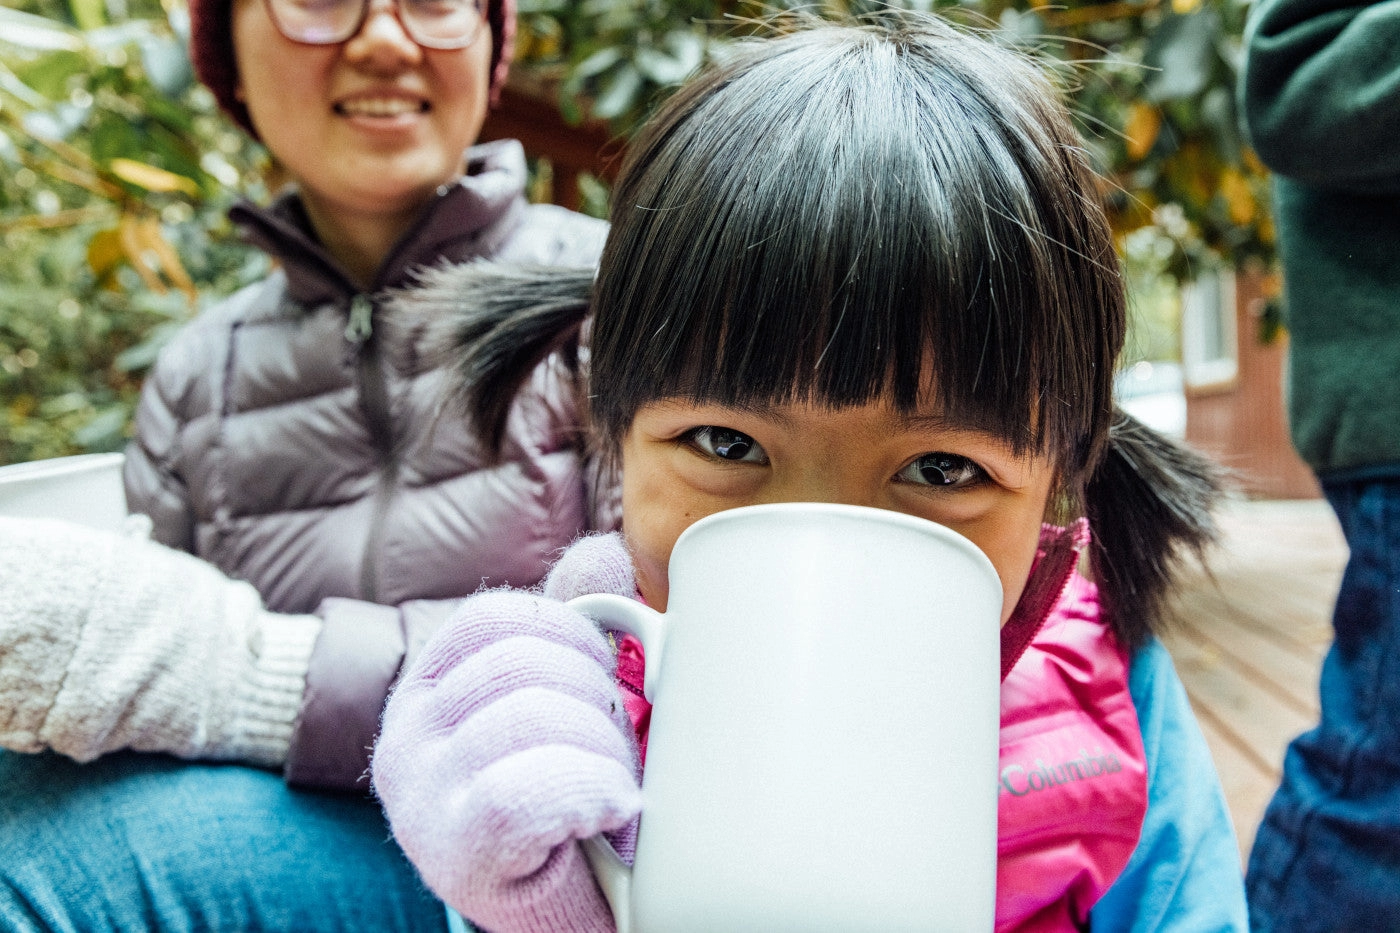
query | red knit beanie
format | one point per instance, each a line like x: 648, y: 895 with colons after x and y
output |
x: 211, y: 51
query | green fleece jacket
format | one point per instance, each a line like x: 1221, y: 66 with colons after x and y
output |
x: 1320, y: 95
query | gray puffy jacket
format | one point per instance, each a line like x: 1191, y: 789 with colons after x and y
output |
x: 294, y: 437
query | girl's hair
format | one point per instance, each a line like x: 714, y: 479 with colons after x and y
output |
x: 834, y: 214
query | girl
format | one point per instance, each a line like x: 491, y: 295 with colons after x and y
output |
x: 862, y: 264
x: 287, y: 438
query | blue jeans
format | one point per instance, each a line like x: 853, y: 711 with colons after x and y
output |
x: 144, y: 842
x: 1327, y: 856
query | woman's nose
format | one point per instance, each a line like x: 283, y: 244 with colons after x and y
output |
x: 383, y: 40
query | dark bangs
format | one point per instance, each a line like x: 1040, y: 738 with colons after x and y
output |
x: 826, y: 214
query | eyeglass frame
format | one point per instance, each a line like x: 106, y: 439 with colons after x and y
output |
x: 405, y: 22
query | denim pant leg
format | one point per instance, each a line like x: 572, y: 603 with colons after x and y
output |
x: 1327, y: 856
x: 144, y: 842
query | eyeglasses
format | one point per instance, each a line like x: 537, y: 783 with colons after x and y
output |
x: 434, y: 24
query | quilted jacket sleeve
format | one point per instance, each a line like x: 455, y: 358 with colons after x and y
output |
x: 153, y: 487
x: 357, y: 660
x: 181, y: 390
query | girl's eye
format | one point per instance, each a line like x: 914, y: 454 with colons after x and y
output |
x: 726, y: 444
x: 943, y: 470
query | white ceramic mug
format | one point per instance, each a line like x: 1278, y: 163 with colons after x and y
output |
x: 84, y: 488
x: 823, y: 747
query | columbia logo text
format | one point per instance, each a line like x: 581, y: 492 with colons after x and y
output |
x: 1019, y: 780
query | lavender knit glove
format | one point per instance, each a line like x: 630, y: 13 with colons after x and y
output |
x: 506, y: 742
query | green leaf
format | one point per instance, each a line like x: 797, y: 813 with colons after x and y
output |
x: 143, y: 355
x: 597, y: 63
x: 1218, y: 114
x: 570, y: 109
x: 88, y: 14
x: 659, y: 68
x: 579, y: 76
x: 49, y: 74
x: 172, y: 152
x: 37, y: 33
x: 11, y: 84
x: 115, y: 138
x: 169, y: 112
x: 105, y: 431
x: 121, y: 35
x: 1272, y: 321
x: 166, y: 64
x: 65, y: 404
x: 604, y: 7
x: 1183, y: 51
x: 152, y: 177
x: 683, y: 52
x: 688, y: 46
x: 619, y: 92
x: 1020, y: 27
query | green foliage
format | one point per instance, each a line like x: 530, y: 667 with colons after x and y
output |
x: 116, y: 168
x: 610, y: 56
x: 1152, y: 80
x: 1157, y: 79
x: 117, y: 172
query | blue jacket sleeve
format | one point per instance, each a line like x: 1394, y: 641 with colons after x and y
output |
x: 1185, y: 873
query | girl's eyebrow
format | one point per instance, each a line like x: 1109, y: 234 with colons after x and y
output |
x: 762, y: 410
x: 942, y: 423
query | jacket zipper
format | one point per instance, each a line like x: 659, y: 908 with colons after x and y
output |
x: 374, y: 403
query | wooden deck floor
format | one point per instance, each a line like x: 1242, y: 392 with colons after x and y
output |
x: 1249, y: 643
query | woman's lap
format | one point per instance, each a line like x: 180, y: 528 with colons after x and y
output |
x: 142, y: 842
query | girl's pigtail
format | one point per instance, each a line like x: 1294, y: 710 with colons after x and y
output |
x: 490, y: 324
x: 1150, y: 501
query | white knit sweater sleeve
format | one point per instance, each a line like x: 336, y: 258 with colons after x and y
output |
x: 109, y: 642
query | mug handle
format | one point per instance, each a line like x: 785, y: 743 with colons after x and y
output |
x: 626, y: 615
x: 614, y: 878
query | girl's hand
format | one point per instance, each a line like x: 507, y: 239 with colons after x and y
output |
x: 507, y: 742
x: 592, y: 564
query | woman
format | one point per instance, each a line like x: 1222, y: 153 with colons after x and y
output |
x: 289, y: 436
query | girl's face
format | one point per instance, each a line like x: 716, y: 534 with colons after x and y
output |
x: 682, y: 461
x: 372, y: 125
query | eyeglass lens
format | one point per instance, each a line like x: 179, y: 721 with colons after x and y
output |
x: 439, y: 24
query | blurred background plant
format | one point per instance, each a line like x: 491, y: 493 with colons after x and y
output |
x: 117, y: 171
x: 118, y: 168
x: 1153, y: 81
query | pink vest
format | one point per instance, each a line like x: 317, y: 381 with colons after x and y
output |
x: 1073, y: 778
